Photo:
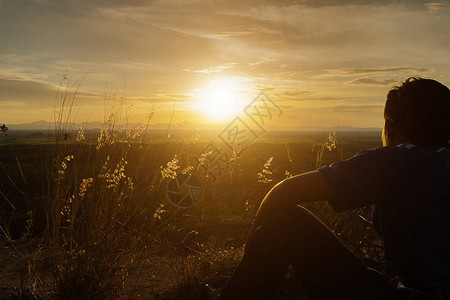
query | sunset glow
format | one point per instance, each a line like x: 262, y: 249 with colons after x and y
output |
x: 323, y: 61
x: 220, y: 98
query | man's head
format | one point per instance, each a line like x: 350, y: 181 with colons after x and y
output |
x: 417, y: 112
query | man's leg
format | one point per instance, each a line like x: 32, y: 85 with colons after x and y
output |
x: 327, y: 269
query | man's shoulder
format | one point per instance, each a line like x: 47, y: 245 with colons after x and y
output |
x: 385, y: 150
x: 405, y: 150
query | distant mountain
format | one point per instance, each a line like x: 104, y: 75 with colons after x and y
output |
x: 340, y: 128
x: 42, y: 125
x: 37, y: 125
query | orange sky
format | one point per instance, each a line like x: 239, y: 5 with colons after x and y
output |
x: 323, y: 62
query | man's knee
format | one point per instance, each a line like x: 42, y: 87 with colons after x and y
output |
x: 275, y: 199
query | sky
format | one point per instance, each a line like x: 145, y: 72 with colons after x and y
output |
x: 324, y: 63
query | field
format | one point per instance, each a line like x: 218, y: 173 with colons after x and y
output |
x: 99, y: 214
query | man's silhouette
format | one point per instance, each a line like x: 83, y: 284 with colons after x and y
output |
x: 407, y: 182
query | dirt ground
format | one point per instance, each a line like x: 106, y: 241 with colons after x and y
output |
x: 21, y: 259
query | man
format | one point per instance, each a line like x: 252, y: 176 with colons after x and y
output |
x: 408, y: 183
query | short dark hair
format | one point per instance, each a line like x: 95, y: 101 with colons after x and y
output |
x: 420, y: 110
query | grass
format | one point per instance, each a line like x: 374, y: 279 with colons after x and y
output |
x: 87, y: 215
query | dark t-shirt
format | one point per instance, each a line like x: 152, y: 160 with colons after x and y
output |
x: 409, y: 188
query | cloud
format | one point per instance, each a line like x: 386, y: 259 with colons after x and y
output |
x: 434, y: 7
x: 32, y: 93
x: 262, y: 61
x: 18, y: 104
x: 216, y: 69
x: 358, y: 71
x: 264, y: 89
x: 325, y: 3
x: 323, y: 98
x: 160, y: 98
x: 296, y: 93
x: 356, y: 108
x: 173, y: 98
x: 302, y: 95
x: 370, y: 81
x: 41, y: 2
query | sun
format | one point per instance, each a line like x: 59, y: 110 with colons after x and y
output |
x: 221, y: 98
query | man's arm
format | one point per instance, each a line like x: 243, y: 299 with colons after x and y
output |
x: 286, y: 195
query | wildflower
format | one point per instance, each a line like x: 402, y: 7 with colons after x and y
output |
x: 196, y: 137
x: 159, y: 212
x: 85, y: 183
x: 130, y: 183
x: 63, y: 165
x: 170, y: 170
x: 331, y: 141
x: 80, y: 133
x: 63, y: 168
x: 265, y: 174
x: 203, y: 157
x: 288, y: 174
x: 114, y: 177
x: 187, y: 169
x: 67, y: 207
x: 128, y: 132
x: 139, y: 131
x: 105, y: 137
x: 248, y: 206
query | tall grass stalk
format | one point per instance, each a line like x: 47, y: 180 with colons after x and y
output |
x: 100, y: 224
